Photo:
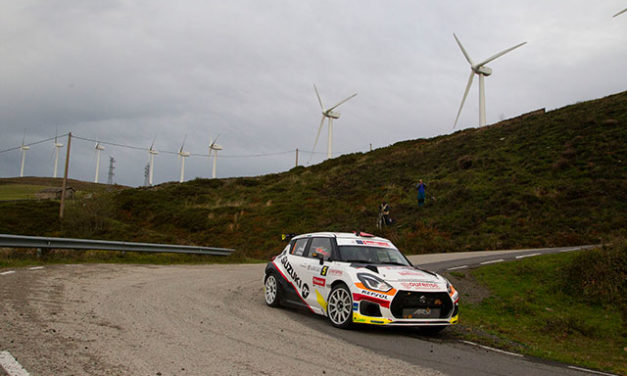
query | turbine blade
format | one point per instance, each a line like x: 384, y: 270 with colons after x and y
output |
x: 318, y: 95
x: 472, y: 75
x: 153, y: 143
x: 621, y: 12
x: 500, y: 54
x: 463, y: 50
x: 318, y: 135
x: 345, y: 100
x: 183, y: 144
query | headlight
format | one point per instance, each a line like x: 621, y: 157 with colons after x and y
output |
x: 450, y: 288
x: 373, y: 282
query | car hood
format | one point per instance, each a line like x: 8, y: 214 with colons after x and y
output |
x: 398, y: 273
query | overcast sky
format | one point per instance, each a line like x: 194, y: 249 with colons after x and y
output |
x: 127, y: 72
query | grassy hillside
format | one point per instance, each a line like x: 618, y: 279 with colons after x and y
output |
x: 540, y: 180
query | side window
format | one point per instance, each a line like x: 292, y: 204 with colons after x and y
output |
x: 299, y: 247
x: 320, y: 246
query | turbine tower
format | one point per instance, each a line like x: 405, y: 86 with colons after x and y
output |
x: 482, y: 71
x: 329, y: 114
x: 99, y: 148
x: 152, y: 151
x: 215, y: 148
x: 23, y: 148
x: 182, y: 155
x: 57, y: 146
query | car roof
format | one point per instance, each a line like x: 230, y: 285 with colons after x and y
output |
x: 342, y: 235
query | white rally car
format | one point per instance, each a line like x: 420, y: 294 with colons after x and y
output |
x: 358, y: 278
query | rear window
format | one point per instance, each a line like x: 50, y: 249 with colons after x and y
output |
x: 299, y: 247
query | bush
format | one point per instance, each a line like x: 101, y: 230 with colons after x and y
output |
x: 599, y: 275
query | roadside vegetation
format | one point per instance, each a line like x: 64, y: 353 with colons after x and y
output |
x: 567, y: 307
x: 545, y: 179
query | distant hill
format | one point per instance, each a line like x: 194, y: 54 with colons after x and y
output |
x: 58, y: 182
x: 541, y: 179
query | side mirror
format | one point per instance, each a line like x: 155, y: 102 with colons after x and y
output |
x: 319, y: 256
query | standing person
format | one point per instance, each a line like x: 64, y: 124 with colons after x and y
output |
x: 384, y: 215
x: 421, y: 192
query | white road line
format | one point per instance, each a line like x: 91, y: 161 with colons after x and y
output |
x: 10, y: 365
x: 493, y: 349
x: 591, y: 371
x: 458, y: 267
x: 9, y: 272
x: 530, y: 255
x: 36, y: 268
x: 492, y: 262
x: 569, y: 250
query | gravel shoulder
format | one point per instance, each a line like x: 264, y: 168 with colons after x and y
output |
x: 169, y: 320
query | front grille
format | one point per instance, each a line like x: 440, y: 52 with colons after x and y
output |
x: 412, y: 304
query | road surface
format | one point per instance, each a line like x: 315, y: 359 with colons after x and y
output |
x: 212, y: 320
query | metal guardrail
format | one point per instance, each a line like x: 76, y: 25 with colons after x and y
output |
x: 19, y: 241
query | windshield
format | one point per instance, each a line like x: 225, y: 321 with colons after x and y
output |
x: 372, y: 255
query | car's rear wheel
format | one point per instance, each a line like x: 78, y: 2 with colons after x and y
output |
x: 340, y: 307
x: 272, y: 290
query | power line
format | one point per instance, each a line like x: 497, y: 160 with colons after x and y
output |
x: 258, y: 155
x: 33, y: 143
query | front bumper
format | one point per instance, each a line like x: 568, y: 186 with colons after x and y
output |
x: 407, y: 308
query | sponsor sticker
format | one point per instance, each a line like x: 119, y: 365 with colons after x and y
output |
x: 335, y: 272
x: 420, y: 285
x: 374, y: 294
x: 319, y: 281
x: 292, y: 273
x: 409, y: 272
x: 373, y: 242
x: 305, y: 291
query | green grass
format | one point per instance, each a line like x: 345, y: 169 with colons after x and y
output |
x: 9, y: 192
x: 534, y: 309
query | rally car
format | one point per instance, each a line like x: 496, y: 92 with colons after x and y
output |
x: 357, y: 278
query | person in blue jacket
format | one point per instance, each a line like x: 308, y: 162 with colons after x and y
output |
x: 421, y: 192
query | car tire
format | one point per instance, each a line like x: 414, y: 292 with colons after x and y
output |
x: 272, y: 290
x: 340, y: 307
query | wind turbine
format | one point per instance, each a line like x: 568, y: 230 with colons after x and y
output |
x: 621, y: 12
x: 152, y: 152
x: 23, y: 148
x: 482, y: 71
x: 57, y: 146
x: 329, y: 114
x: 99, y: 148
x: 182, y: 155
x: 214, y: 147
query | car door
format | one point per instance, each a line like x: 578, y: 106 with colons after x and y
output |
x: 292, y: 266
x: 314, y: 272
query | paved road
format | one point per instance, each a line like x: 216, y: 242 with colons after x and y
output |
x: 202, y: 320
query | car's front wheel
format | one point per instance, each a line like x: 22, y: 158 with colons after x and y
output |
x: 272, y: 290
x: 340, y: 307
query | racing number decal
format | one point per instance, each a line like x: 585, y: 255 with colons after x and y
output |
x: 305, y: 291
x: 324, y: 270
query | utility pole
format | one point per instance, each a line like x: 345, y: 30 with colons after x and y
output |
x: 296, y: 158
x: 67, y: 165
x: 370, y: 146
